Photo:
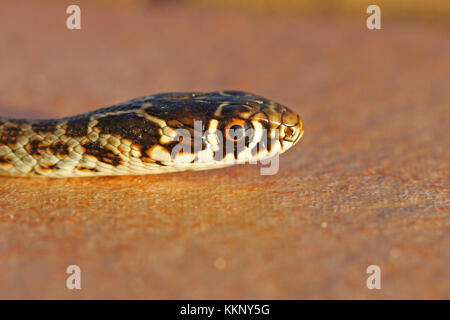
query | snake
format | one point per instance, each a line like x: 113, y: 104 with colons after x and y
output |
x: 159, y: 133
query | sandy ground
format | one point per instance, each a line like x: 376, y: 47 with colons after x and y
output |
x: 367, y: 185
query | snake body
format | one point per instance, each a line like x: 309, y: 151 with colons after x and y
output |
x: 159, y: 133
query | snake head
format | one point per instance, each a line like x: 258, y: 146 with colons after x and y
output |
x: 257, y: 128
x: 227, y: 127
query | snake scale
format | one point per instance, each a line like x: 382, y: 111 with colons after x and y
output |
x: 159, y: 133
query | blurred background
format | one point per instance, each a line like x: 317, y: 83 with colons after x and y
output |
x: 367, y: 184
x: 413, y: 10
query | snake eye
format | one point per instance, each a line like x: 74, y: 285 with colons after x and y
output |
x: 236, y: 130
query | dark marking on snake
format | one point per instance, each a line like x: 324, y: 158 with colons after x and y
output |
x: 9, y: 135
x: 87, y: 169
x: 48, y: 166
x: 36, y: 148
x: 47, y: 127
x: 102, y: 154
x: 77, y: 127
x: 183, y: 111
x: 137, y: 129
x: 5, y: 160
x: 59, y: 149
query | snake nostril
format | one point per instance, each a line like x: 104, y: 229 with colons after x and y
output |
x: 289, y: 132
